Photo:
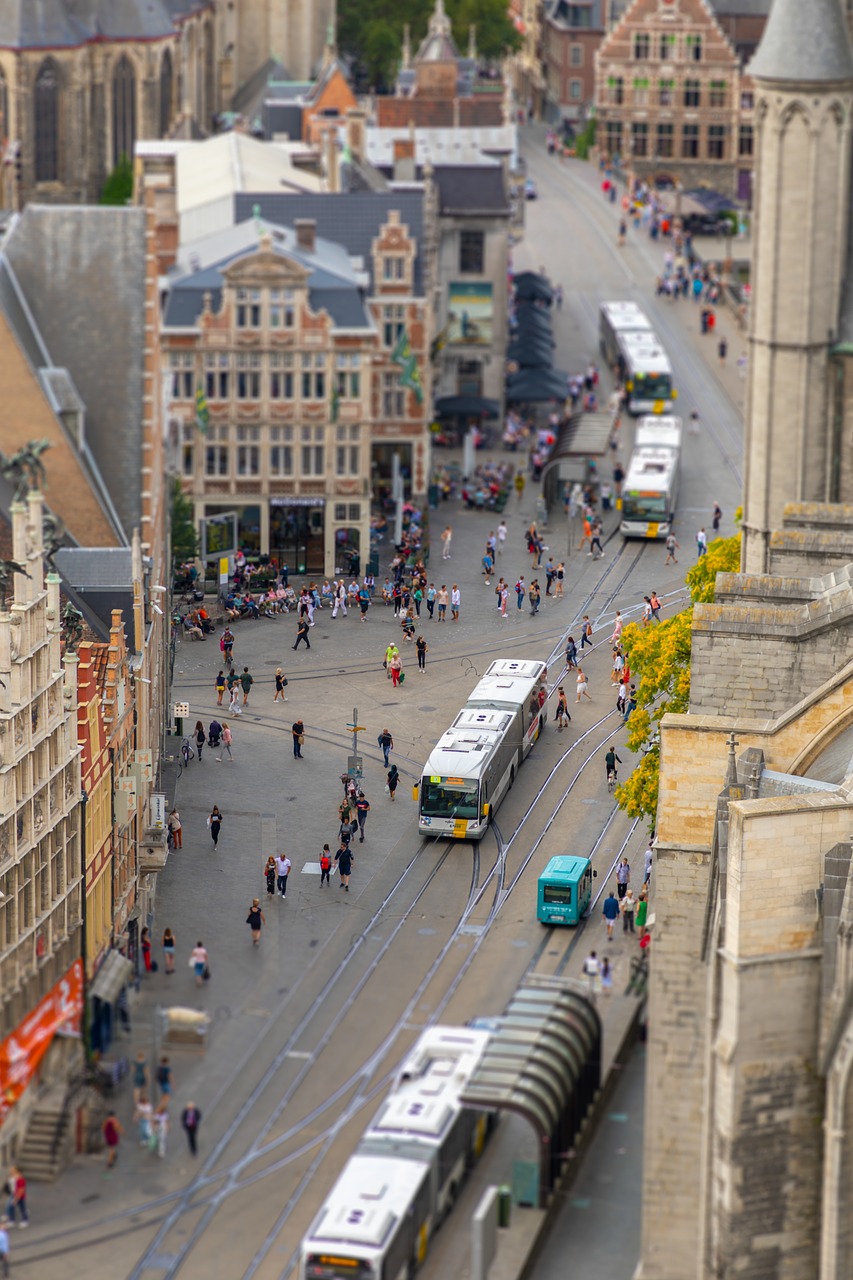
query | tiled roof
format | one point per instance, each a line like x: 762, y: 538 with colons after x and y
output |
x: 437, y: 113
x: 82, y: 272
x: 472, y: 189
x: 352, y: 219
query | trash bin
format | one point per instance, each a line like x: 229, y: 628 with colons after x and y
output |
x: 504, y: 1206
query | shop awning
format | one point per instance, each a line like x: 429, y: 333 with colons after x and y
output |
x: 466, y: 406
x: 114, y: 974
x: 537, y: 384
x: 530, y: 285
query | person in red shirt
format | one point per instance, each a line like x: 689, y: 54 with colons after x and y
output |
x: 17, y: 1205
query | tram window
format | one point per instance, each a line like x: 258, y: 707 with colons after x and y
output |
x: 561, y: 893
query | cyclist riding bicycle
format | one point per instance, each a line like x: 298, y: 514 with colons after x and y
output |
x: 610, y: 762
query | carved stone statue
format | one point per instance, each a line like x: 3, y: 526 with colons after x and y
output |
x: 8, y: 568
x: 72, y: 626
x: 53, y: 535
x: 25, y: 468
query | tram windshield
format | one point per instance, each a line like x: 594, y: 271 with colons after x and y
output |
x: 645, y: 506
x: 561, y: 893
x: 449, y: 798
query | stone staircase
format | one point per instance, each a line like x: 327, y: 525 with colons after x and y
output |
x: 48, y: 1139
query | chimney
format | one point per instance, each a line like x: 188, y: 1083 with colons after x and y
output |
x: 330, y: 150
x: 355, y: 132
x: 306, y: 232
x: 404, y: 160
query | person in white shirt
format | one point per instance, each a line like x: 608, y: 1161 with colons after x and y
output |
x: 282, y: 866
x: 501, y: 536
x: 455, y: 601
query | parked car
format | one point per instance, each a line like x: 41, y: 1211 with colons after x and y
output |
x: 531, y: 191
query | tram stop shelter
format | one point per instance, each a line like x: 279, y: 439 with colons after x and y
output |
x: 579, y: 454
x: 544, y: 1063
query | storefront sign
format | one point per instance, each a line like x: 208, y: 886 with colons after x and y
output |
x: 470, y: 315
x: 23, y: 1050
x: 297, y: 502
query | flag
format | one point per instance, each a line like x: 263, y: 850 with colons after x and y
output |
x: 403, y: 356
x: 202, y: 413
x: 336, y: 400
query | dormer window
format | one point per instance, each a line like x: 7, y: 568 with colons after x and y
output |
x: 248, y: 308
x: 394, y: 268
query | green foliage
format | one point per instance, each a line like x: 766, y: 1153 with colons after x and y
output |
x: 118, y: 188
x: 372, y: 34
x: 659, y: 658
x: 585, y: 140
x: 184, y: 535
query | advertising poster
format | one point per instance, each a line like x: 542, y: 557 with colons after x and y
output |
x: 23, y: 1050
x: 470, y: 315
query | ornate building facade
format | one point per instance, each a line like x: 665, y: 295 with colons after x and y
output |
x: 748, y: 1152
x: 41, y: 981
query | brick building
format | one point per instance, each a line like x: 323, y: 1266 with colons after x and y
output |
x: 571, y: 35
x: 672, y: 98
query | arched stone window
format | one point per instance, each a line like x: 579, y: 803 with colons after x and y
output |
x: 124, y: 110
x: 166, y: 92
x: 47, y: 122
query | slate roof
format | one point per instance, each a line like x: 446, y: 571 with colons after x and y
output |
x: 471, y: 189
x: 351, y: 219
x: 82, y: 272
x: 97, y: 580
x: 804, y: 46
x: 333, y: 286
x: 559, y: 13
x: 46, y: 24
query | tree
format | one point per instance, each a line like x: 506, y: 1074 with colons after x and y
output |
x: 184, y: 535
x: 495, y: 33
x: 118, y: 188
x: 659, y: 658
x: 380, y: 52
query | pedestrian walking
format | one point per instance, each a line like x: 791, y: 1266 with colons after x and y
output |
x: 4, y: 1250
x: 144, y: 1115
x: 161, y: 1128
x: 560, y: 576
x: 642, y: 913
x: 443, y: 599
x: 571, y: 653
x: 226, y: 644
x: 390, y: 653
x: 520, y: 593
x: 255, y: 920
x: 455, y: 601
x: 630, y: 703
x: 325, y: 865
x: 297, y: 730
x: 534, y: 595
x: 623, y: 877
x: 199, y: 962
x: 270, y: 876
x: 422, y: 649
x: 340, y: 599
x: 362, y: 809
x: 647, y: 863
x: 701, y: 543
x: 671, y: 548
x: 592, y: 969
x: 446, y: 539
x: 718, y: 515
x: 176, y: 827
x: 140, y: 1076
x: 234, y: 707
x: 246, y: 682
x: 364, y: 601
x: 214, y: 822
x: 610, y: 912
x: 283, y: 867
x: 629, y: 904
x: 16, y: 1208
x: 722, y: 352
x: 169, y: 944
x: 227, y: 739
x: 430, y: 601
x: 200, y: 738
x: 219, y: 685
x: 280, y: 685
x: 562, y: 714
x: 191, y: 1122
x: 302, y: 633
x: 145, y: 944
x: 386, y: 742
x: 395, y: 666
x: 344, y: 861
x: 519, y: 483
x: 502, y: 531
x: 606, y: 976
x: 503, y: 598
x: 393, y: 779
x: 586, y: 632
x: 163, y: 1076
x: 582, y: 685
x: 617, y: 628
x: 655, y: 606
x: 111, y: 1131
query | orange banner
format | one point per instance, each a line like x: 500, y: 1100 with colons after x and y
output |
x: 23, y: 1050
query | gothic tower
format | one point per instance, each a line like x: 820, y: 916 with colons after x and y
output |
x: 293, y: 31
x: 803, y: 73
